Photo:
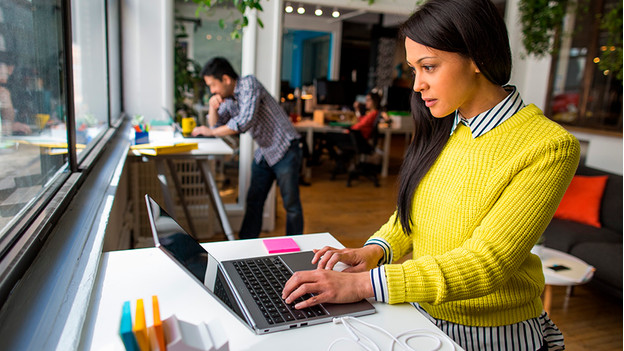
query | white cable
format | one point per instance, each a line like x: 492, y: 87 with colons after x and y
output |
x: 347, y: 321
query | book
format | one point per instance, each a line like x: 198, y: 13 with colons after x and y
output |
x: 160, y: 149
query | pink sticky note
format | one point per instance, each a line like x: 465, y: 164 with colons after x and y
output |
x: 280, y: 245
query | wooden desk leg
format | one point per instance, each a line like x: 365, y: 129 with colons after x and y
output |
x: 547, y: 298
x: 385, y: 164
x: 215, y: 197
x: 178, y: 187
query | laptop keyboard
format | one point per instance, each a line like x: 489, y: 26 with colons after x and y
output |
x: 265, y: 278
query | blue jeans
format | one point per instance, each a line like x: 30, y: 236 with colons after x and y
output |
x: 286, y: 171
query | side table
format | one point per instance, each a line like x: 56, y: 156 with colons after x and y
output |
x: 574, y: 271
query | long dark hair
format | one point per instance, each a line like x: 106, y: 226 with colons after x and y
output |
x: 473, y: 29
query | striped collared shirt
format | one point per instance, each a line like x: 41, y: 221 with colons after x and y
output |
x: 253, y: 109
x: 488, y: 120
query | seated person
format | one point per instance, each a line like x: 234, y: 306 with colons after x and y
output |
x: 366, y: 122
x: 7, y: 111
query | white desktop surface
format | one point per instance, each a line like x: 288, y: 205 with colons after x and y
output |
x: 205, y: 146
x: 141, y: 273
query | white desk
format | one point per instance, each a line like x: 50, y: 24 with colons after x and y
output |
x: 141, y: 273
x: 578, y: 273
x: 206, y: 148
x: 310, y: 127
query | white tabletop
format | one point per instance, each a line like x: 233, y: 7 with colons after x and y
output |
x: 578, y: 271
x: 141, y: 273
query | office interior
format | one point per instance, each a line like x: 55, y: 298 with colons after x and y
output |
x: 92, y: 68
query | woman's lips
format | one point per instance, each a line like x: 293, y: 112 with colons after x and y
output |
x: 430, y: 102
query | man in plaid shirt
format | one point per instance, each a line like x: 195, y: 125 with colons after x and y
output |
x: 242, y: 104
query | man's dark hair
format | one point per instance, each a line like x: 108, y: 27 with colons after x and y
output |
x: 217, y: 67
x: 473, y: 29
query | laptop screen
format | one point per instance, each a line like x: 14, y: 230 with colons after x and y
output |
x: 170, y: 237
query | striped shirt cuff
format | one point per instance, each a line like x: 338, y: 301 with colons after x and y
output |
x: 387, y: 250
x: 380, y: 286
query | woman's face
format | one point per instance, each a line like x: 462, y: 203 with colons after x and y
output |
x: 369, y: 102
x: 446, y: 81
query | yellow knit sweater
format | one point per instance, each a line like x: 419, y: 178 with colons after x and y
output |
x: 476, y: 216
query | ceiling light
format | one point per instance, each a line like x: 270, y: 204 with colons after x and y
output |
x: 289, y: 8
x: 300, y: 9
x: 335, y: 14
x: 319, y: 11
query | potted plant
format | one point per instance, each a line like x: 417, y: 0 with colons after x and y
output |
x: 186, y: 78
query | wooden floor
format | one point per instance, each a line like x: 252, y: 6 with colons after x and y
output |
x: 589, y: 320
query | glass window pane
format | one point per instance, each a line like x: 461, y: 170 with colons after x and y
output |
x: 89, y: 66
x: 33, y: 138
x: 114, y: 59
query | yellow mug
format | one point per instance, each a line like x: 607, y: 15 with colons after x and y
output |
x: 188, y: 124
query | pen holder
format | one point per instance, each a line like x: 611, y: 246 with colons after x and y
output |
x: 141, y: 138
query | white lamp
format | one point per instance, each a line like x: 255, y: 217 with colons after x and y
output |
x: 336, y: 13
x: 319, y: 11
x: 289, y: 8
x: 300, y: 9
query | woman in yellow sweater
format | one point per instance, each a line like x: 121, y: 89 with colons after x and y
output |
x: 479, y: 184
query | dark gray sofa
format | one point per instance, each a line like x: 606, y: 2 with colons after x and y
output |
x: 599, y: 247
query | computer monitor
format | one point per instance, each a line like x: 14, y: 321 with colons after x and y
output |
x: 398, y: 99
x: 331, y: 92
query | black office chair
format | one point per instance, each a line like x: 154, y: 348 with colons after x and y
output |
x: 366, y: 161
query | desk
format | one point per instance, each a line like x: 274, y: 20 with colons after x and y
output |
x: 141, y: 273
x: 206, y: 148
x: 310, y: 127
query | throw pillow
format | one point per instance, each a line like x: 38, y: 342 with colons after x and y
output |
x: 581, y: 202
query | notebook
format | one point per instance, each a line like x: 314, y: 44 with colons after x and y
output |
x: 250, y: 288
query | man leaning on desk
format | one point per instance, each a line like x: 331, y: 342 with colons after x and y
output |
x: 242, y: 104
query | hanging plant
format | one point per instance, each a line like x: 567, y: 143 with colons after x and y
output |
x: 241, y: 5
x: 541, y: 20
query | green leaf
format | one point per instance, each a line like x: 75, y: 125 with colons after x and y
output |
x: 260, y: 23
x: 221, y: 23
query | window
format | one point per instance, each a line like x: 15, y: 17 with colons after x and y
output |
x: 33, y: 142
x: 581, y: 92
x: 53, y: 116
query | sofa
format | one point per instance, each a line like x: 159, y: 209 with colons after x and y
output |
x: 599, y: 247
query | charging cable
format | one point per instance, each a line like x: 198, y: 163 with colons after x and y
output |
x: 369, y: 345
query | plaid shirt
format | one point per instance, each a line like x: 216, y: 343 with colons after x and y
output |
x: 253, y: 109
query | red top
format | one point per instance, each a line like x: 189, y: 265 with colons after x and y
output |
x: 366, y: 124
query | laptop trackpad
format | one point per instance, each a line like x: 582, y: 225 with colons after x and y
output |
x: 299, y: 261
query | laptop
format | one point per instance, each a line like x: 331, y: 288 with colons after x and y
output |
x: 250, y: 288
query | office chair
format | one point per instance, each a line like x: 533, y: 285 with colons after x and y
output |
x: 366, y: 161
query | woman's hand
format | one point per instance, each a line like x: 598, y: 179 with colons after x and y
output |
x: 327, y: 286
x: 360, y: 260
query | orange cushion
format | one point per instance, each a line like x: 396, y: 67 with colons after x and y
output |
x: 581, y: 202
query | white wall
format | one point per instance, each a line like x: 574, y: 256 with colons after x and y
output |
x: 147, y: 49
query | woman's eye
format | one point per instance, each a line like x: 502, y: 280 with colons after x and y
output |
x: 428, y: 68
